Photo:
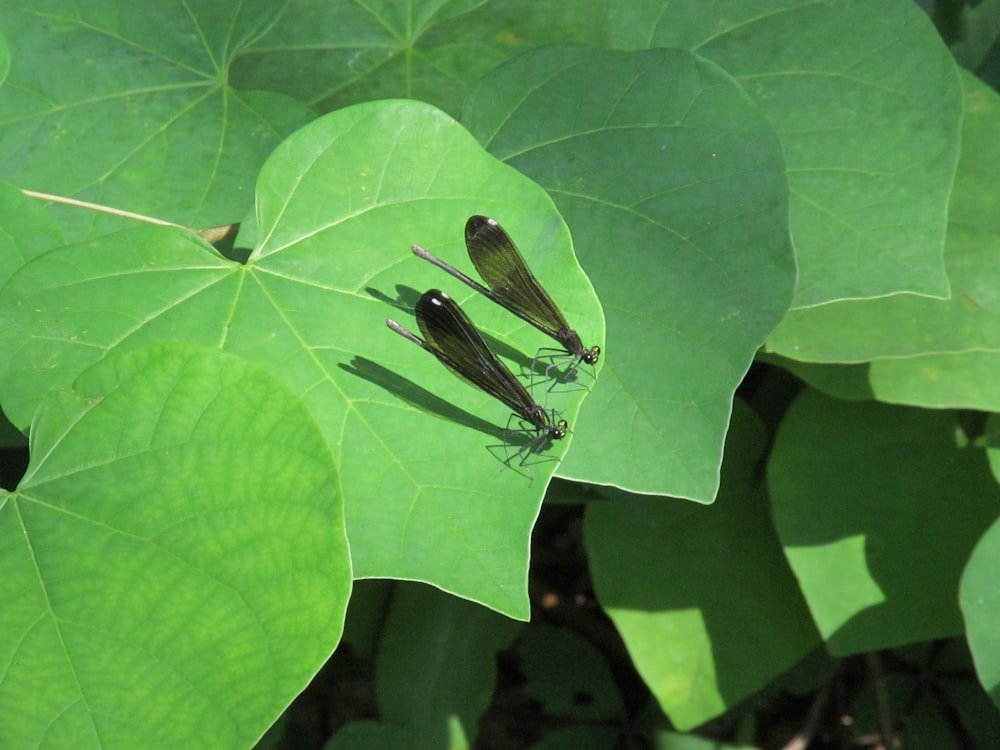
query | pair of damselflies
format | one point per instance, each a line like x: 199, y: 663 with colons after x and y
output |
x: 453, y: 339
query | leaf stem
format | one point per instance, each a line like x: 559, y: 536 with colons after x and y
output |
x: 103, y: 209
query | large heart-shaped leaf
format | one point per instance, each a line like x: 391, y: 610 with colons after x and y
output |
x: 962, y: 334
x: 337, y: 54
x: 980, y: 602
x: 925, y: 352
x: 857, y: 525
x: 339, y: 205
x: 128, y: 105
x: 674, y: 189
x: 867, y: 104
x: 160, y: 589
x: 907, y: 325
x: 980, y: 598
x: 4, y: 58
x: 27, y: 231
x: 432, y: 638
x: 702, y: 597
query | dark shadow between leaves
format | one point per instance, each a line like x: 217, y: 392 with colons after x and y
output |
x: 223, y: 239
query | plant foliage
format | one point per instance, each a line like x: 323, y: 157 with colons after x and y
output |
x: 777, y: 218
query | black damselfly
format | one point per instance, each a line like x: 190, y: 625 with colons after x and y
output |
x: 513, y: 286
x: 451, y: 337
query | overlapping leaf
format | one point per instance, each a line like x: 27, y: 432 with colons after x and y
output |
x: 674, y: 189
x: 878, y: 510
x: 337, y: 54
x: 159, y: 588
x: 434, y: 638
x: 339, y: 204
x: 27, y: 230
x: 867, y: 104
x: 701, y: 596
x: 980, y: 602
x: 961, y: 369
x: 980, y: 597
x: 4, y: 58
x: 128, y: 105
x: 909, y: 326
x: 924, y: 352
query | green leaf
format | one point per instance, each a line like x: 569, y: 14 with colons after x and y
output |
x: 369, y: 735
x: 867, y: 105
x: 877, y: 508
x: 432, y: 639
x: 980, y: 603
x: 702, y: 596
x: 674, y: 189
x: 4, y: 58
x: 675, y: 741
x: 159, y: 588
x: 333, y: 55
x: 337, y: 211
x: 849, y: 382
x: 26, y: 230
x: 966, y: 326
x: 979, y: 30
x: 137, y: 94
x: 992, y: 437
x: 568, y: 676
x: 979, y: 596
x: 905, y: 325
x: 939, y: 381
x: 369, y: 600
